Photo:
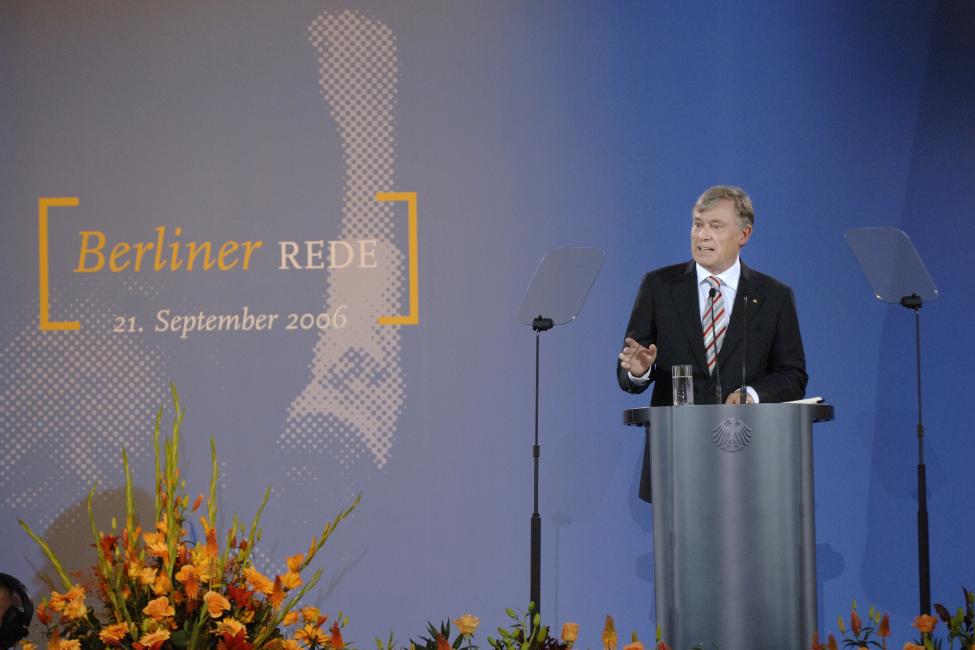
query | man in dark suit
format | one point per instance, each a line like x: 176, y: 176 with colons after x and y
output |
x: 685, y: 311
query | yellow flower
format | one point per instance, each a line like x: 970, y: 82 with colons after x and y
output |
x: 27, y: 645
x: 163, y: 585
x: 290, y: 618
x: 311, y: 636
x: 133, y: 568
x: 247, y: 617
x: 69, y: 644
x: 113, y: 634
x: 147, y: 576
x: 295, y: 562
x: 290, y: 580
x: 609, y: 634
x: 202, y: 561
x: 75, y: 608
x: 158, y: 609
x: 215, y: 603
x: 290, y: 644
x: 570, y: 632
x: 229, y: 626
x: 157, y: 637
x: 156, y: 545
x: 310, y: 614
x: 258, y: 581
x: 467, y: 624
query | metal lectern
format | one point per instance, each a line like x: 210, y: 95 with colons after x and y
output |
x: 734, y: 536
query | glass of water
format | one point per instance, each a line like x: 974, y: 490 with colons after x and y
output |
x: 682, y: 382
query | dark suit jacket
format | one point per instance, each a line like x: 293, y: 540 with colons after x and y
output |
x: 666, y: 313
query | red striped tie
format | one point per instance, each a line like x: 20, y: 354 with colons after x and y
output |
x: 712, y: 343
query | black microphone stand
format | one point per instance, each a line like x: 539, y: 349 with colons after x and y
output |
x: 744, y: 349
x: 914, y: 303
x: 539, y: 325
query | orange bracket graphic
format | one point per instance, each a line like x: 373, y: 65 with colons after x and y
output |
x: 43, y: 203
x: 413, y: 318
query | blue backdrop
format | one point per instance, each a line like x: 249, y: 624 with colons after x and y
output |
x: 520, y: 127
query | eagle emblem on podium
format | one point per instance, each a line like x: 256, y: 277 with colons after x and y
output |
x: 731, y: 435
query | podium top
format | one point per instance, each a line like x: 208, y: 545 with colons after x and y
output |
x: 640, y: 417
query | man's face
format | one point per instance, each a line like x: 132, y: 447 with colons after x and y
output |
x: 717, y: 236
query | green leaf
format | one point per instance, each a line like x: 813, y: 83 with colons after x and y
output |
x: 179, y: 638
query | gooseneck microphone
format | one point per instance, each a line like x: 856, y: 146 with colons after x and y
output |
x: 714, y: 338
x: 744, y: 348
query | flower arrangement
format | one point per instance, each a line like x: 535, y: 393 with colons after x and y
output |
x: 156, y: 588
x: 960, y: 628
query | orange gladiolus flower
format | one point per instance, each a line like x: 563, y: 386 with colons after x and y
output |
x: 152, y: 641
x: 211, y: 536
x: 855, y: 624
x: 442, y: 643
x: 295, y: 562
x: 147, y: 576
x: 113, y: 634
x: 338, y: 643
x: 636, y: 645
x: 289, y: 644
x: 60, y: 601
x: 69, y: 644
x: 663, y: 646
x: 925, y: 623
x: 276, y: 597
x: 196, y: 504
x: 912, y: 646
x: 258, y: 581
x: 290, y: 580
x: 884, y: 629
x: 163, y: 585
x: 108, y: 543
x: 43, y: 613
x: 290, y: 618
x: 230, y: 626
x: 158, y: 609
x: 831, y: 642
x: 189, y: 575
x: 158, y: 549
x: 215, y: 603
x: 75, y: 608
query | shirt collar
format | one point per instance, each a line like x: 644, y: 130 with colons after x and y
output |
x: 729, y: 277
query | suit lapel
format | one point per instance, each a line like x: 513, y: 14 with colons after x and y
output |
x: 686, y: 298
x: 747, y: 286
